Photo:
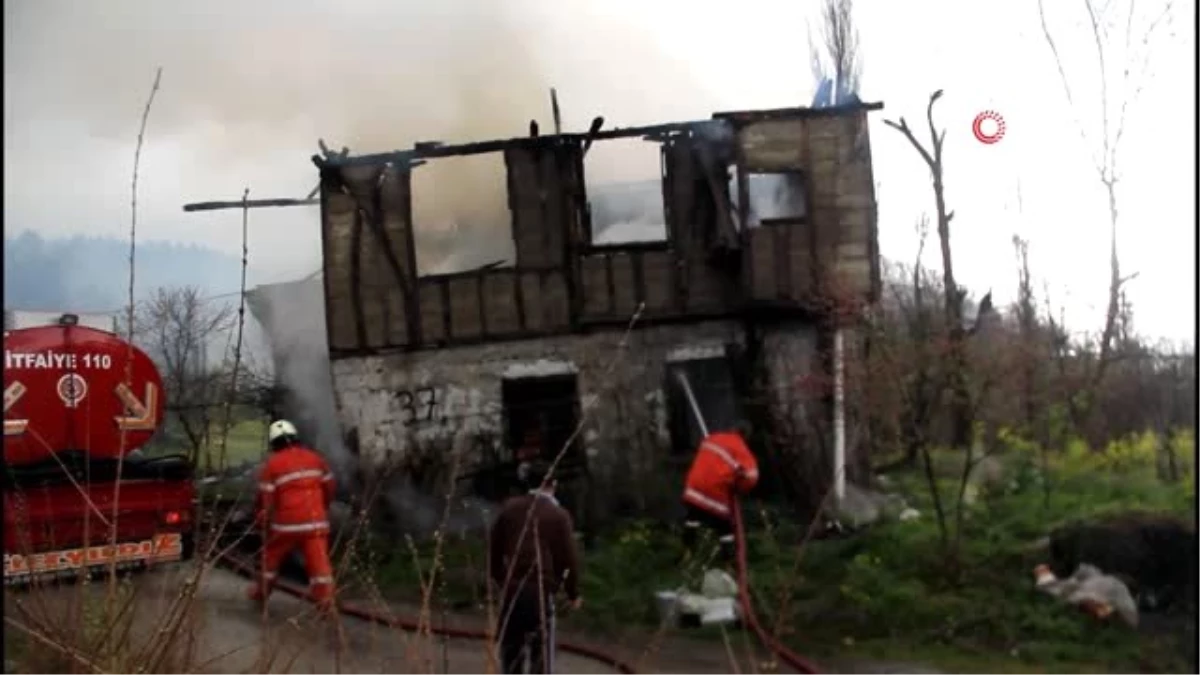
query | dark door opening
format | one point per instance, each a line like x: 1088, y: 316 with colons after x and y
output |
x: 713, y: 384
x: 547, y: 408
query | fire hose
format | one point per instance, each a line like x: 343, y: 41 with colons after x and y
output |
x: 769, y: 641
x: 781, y: 651
x: 247, y: 570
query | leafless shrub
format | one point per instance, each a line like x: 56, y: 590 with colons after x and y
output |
x: 178, y: 327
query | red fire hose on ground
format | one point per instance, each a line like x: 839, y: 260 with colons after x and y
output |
x: 801, y: 664
x: 247, y: 570
x: 769, y: 641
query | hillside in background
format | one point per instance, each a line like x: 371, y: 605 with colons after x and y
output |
x: 92, y: 273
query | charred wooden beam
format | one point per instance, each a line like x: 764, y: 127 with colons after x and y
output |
x: 447, y: 327
x: 610, y: 284
x: 592, y: 131
x: 482, y: 302
x: 555, y: 111
x: 356, y: 299
x: 484, y: 147
x: 519, y: 297
x: 249, y: 204
x: 739, y: 116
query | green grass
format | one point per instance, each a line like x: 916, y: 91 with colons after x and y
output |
x: 246, y: 441
x: 887, y: 592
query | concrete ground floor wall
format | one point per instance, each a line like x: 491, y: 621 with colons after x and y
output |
x: 616, y: 388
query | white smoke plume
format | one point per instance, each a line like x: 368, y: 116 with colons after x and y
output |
x: 244, y: 82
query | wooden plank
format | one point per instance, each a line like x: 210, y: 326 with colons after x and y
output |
x: 800, y: 255
x: 657, y: 270
x: 781, y: 261
x: 855, y: 275
x: 638, y: 259
x: 531, y: 291
x: 464, y: 307
x: 444, y: 294
x: 828, y: 127
x: 555, y: 301
x: 705, y: 290
x: 624, y: 284
x: 390, y: 299
x: 499, y: 302
x: 337, y: 228
x: 762, y: 258
x: 679, y: 207
x: 856, y: 226
x: 524, y: 201
x: 433, y: 328
x: 774, y: 145
x: 854, y: 201
x: 385, y: 258
x: 356, y: 275
x: 554, y: 206
x: 593, y: 277
x: 518, y: 293
x: 366, y: 263
x: 395, y: 195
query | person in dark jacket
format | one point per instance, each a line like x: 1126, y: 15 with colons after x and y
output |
x: 532, y: 557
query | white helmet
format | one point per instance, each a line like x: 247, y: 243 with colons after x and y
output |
x: 280, y: 429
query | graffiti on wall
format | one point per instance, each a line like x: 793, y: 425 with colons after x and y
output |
x: 420, y: 406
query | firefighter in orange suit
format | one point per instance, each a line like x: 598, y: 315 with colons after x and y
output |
x: 295, y: 488
x: 723, y: 468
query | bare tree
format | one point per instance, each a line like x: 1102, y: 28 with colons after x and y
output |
x: 176, y: 326
x: 836, y: 51
x: 955, y: 358
x: 1123, y: 43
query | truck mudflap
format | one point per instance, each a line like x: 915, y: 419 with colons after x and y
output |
x: 167, y: 547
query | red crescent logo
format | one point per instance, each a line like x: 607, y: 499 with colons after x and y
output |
x: 993, y: 133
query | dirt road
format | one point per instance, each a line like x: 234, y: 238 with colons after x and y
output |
x: 227, y: 634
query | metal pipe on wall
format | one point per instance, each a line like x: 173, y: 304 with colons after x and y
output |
x: 839, y: 416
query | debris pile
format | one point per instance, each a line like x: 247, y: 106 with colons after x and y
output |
x: 1089, y: 589
x: 716, y: 603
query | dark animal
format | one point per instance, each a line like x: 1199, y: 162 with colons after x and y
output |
x: 1154, y: 555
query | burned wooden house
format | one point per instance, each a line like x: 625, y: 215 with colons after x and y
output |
x: 768, y: 245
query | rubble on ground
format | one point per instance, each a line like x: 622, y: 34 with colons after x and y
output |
x: 861, y: 507
x: 716, y: 603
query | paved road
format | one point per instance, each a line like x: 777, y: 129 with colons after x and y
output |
x: 227, y: 634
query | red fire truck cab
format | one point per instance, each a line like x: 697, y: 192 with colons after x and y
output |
x: 79, y: 496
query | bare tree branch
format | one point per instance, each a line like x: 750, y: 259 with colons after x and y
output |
x: 1066, y: 83
x: 840, y: 40
x: 1106, y: 157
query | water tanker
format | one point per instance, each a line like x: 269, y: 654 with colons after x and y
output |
x: 79, y: 497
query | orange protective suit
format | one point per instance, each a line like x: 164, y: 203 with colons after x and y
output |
x: 723, y: 467
x: 295, y: 488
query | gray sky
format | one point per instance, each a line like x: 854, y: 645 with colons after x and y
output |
x: 249, y: 87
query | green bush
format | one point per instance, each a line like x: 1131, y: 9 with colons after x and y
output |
x: 891, y: 588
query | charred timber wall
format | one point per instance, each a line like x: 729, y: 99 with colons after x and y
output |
x: 770, y: 220
x: 720, y: 256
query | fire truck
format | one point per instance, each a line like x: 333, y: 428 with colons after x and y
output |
x: 80, y: 497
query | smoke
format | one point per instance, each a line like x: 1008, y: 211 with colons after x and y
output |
x: 293, y: 317
x: 262, y: 79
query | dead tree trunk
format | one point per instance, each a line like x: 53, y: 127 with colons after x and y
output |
x: 955, y: 376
